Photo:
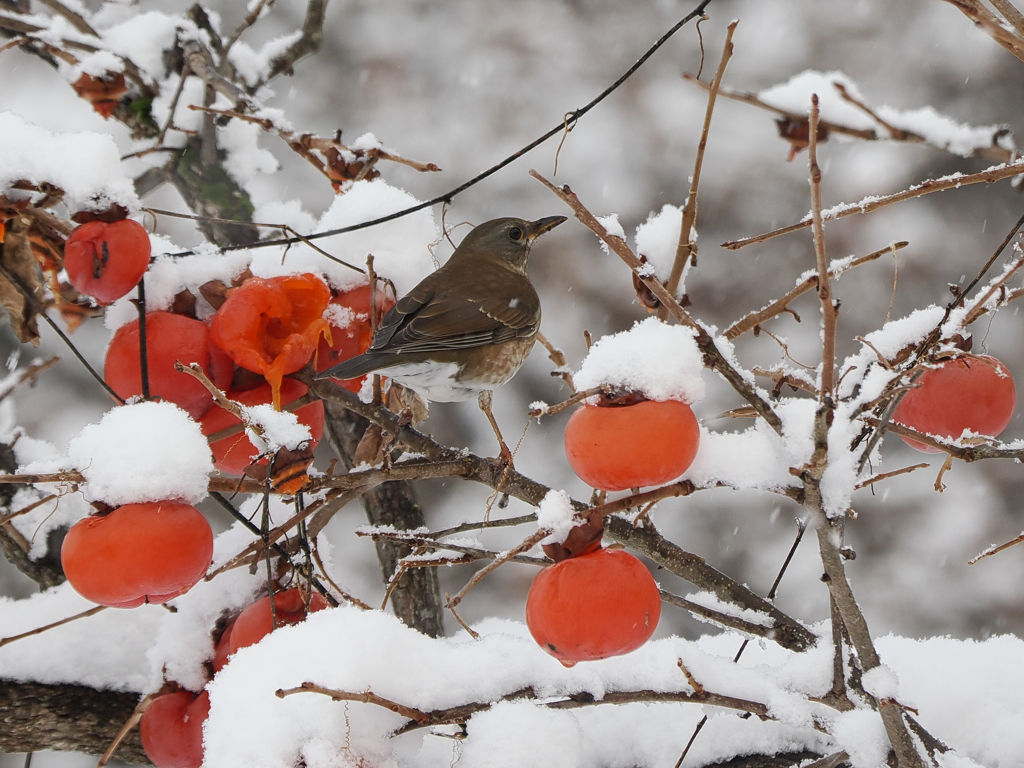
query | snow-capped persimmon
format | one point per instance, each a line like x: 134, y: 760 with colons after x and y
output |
x: 139, y: 553
x: 256, y: 621
x: 172, y: 729
x: 272, y: 325
x: 169, y: 337
x: 350, y: 332
x: 973, y: 392
x: 232, y: 450
x: 615, y: 447
x: 593, y: 606
x: 106, y: 260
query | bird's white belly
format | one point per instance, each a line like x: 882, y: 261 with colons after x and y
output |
x: 433, y: 382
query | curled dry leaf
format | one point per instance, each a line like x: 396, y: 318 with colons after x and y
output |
x: 102, y: 92
x: 19, y: 260
x: 797, y: 133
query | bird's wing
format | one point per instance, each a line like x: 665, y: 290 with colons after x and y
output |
x: 425, y: 321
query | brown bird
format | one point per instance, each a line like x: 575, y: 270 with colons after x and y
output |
x: 467, y: 327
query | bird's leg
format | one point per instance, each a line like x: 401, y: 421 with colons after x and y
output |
x: 504, y: 454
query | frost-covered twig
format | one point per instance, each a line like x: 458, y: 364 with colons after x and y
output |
x: 996, y: 549
x: 754, y: 319
x: 686, y: 248
x: 873, y: 203
x: 720, y: 617
x: 968, y: 453
x: 429, y: 542
x: 788, y: 633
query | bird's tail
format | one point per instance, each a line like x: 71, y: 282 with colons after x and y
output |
x: 354, y: 367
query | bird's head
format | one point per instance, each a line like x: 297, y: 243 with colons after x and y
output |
x: 508, y: 240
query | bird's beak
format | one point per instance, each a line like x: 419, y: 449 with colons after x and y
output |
x: 540, y: 226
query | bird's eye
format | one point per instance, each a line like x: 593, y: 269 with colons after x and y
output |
x: 516, y: 233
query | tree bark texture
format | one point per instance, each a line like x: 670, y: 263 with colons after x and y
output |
x: 70, y: 718
x: 417, y: 597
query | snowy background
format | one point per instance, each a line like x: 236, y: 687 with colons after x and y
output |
x: 463, y: 85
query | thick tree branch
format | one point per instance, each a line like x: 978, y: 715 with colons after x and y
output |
x: 71, y: 718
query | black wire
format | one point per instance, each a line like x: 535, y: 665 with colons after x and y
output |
x: 566, y: 123
x: 219, y: 498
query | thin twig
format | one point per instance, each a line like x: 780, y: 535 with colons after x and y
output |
x: 983, y: 18
x: 869, y: 204
x: 996, y: 550
x: 130, y: 723
x: 367, y: 697
x: 754, y: 100
x: 4, y: 519
x: 686, y: 247
x: 27, y: 374
x: 462, y: 713
x: 993, y: 151
x: 345, y: 595
x: 829, y: 310
x: 558, y: 358
x: 550, y: 410
x: 250, y: 19
x: 76, y: 19
x: 777, y: 307
x: 526, y: 545
x: 886, y: 475
x: 40, y: 630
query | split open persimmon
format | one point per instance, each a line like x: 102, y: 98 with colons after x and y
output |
x: 257, y: 621
x: 593, y: 606
x: 106, y: 260
x: 273, y: 325
x: 974, y: 392
x: 172, y: 729
x: 139, y: 553
x: 233, y: 452
x: 169, y: 338
x: 615, y: 447
x: 351, y: 338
